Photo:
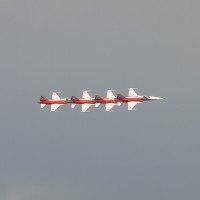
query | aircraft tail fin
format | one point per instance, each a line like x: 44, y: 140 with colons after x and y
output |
x: 119, y: 96
x: 97, y: 97
x: 73, y: 98
x: 43, y: 98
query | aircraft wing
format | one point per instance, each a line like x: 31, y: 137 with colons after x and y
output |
x: 86, y: 95
x: 110, y: 95
x: 85, y: 107
x: 54, y: 107
x: 132, y: 104
x: 132, y: 92
x: 109, y: 106
x: 55, y: 96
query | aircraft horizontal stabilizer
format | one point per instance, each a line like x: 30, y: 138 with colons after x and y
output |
x: 97, y: 105
x: 119, y: 103
x: 73, y: 105
x: 42, y: 105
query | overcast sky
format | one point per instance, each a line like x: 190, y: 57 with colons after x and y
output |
x: 67, y: 46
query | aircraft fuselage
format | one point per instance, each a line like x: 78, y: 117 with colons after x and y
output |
x: 83, y: 101
x: 103, y: 101
x: 51, y: 101
x: 137, y: 98
x: 128, y: 99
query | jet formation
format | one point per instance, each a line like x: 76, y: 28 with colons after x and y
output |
x: 132, y: 99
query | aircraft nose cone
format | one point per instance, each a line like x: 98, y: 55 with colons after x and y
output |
x: 159, y: 98
x: 156, y: 98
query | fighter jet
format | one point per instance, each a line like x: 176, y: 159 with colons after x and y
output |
x: 86, y: 101
x: 133, y: 99
x: 55, y: 101
x: 110, y: 101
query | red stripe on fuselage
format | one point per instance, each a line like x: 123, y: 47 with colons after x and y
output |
x: 49, y: 102
x: 128, y: 99
x: 82, y: 101
x: 106, y: 101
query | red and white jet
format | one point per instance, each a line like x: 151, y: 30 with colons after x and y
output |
x: 133, y: 99
x: 55, y: 101
x: 86, y: 101
x: 110, y: 101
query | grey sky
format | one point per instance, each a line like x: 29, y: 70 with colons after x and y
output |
x: 67, y: 46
